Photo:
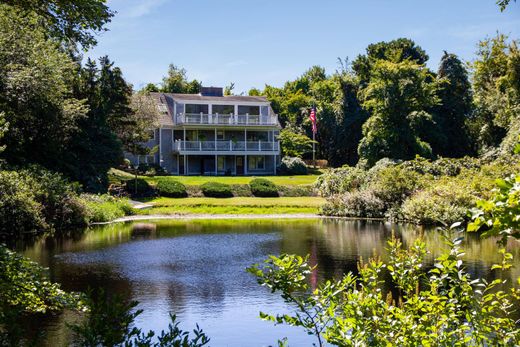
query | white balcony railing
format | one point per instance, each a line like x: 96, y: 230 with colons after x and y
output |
x: 226, y: 119
x: 225, y: 146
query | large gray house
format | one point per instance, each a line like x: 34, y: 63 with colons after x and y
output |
x: 213, y: 134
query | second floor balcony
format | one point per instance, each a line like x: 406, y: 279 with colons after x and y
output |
x: 180, y: 146
x: 225, y: 119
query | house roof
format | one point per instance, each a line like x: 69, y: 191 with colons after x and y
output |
x: 230, y: 98
x: 165, y: 119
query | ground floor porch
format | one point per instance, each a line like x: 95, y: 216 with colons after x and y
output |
x: 230, y: 165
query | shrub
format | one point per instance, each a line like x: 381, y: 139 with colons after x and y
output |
x: 263, y: 188
x: 35, y: 200
x: 341, y: 180
x: 359, y: 203
x: 19, y: 210
x: 441, y: 166
x: 139, y: 188
x: 171, y: 188
x: 62, y: 208
x: 446, y: 201
x: 378, y: 166
x: 293, y: 166
x: 105, y: 208
x: 216, y: 190
x: 393, y: 184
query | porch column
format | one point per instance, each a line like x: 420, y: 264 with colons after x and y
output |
x: 245, y: 156
x: 215, y: 139
x: 160, y: 147
x: 274, y: 164
x: 184, y: 141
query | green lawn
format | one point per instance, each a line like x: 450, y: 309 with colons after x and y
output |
x: 238, y: 205
x: 198, y: 180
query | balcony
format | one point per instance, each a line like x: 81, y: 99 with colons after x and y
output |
x: 180, y: 146
x: 225, y: 119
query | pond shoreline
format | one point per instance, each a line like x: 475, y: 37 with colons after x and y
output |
x: 133, y: 218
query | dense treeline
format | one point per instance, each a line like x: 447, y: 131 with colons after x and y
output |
x: 388, y: 104
x: 60, y: 121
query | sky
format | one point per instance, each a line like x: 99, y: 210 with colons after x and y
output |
x: 256, y: 42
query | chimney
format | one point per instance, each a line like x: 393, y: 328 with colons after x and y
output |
x: 211, y: 91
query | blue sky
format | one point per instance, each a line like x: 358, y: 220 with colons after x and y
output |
x: 258, y: 42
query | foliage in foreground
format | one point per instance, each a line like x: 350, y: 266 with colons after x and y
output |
x: 442, y: 306
x: 110, y: 322
x: 499, y: 216
x: 25, y: 289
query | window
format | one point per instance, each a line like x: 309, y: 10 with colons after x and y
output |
x: 163, y: 108
x: 192, y: 135
x: 256, y: 162
x: 256, y: 136
x: 223, y: 109
x: 220, y: 163
x: 220, y: 134
x: 195, y: 108
x: 252, y: 110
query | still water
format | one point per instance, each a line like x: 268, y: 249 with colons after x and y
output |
x: 196, y: 269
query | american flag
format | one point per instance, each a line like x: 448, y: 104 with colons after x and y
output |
x: 312, y: 117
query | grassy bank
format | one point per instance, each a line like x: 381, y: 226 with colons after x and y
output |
x: 199, y: 180
x: 237, y: 205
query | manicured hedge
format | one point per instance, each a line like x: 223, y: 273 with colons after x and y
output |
x: 263, y: 188
x: 216, y: 190
x: 171, y: 189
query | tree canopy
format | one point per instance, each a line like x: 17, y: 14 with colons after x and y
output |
x: 70, y: 21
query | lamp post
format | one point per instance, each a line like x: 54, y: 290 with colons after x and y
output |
x: 135, y: 180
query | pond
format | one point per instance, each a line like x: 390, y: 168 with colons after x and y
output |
x: 196, y: 269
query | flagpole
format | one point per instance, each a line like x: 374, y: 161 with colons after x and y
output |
x: 314, y: 149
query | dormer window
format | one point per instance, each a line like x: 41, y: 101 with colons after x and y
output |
x: 163, y: 108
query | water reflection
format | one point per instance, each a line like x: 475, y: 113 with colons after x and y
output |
x: 196, y: 268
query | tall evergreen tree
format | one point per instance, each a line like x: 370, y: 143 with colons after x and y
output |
x: 450, y: 137
x: 350, y: 120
